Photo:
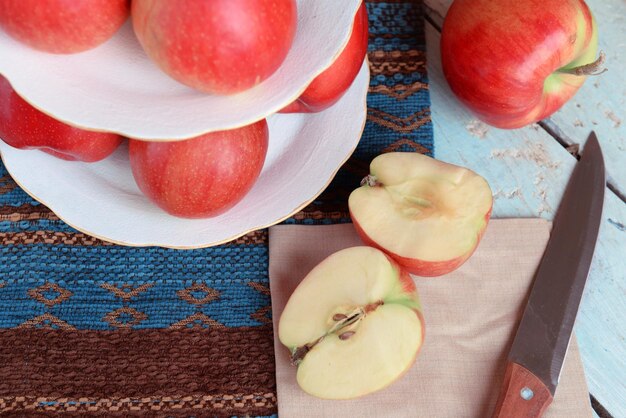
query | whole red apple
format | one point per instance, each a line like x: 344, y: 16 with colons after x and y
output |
x: 328, y: 87
x: 514, y: 62
x: 22, y: 126
x: 62, y: 26
x: 217, y: 46
x: 203, y: 176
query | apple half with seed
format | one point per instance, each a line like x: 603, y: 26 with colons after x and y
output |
x: 353, y: 325
x: 427, y: 215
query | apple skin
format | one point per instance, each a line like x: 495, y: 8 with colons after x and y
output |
x: 204, y: 176
x: 24, y: 127
x: 501, y: 58
x: 354, y: 282
x: 421, y: 267
x: 63, y: 26
x: 328, y: 87
x: 426, y: 214
x: 217, y: 46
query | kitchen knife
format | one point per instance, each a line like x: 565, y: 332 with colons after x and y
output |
x: 540, y: 345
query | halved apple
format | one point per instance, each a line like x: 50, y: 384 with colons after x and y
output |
x: 427, y: 215
x: 353, y: 325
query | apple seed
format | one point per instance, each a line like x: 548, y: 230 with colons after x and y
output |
x: 343, y: 322
x: 344, y: 336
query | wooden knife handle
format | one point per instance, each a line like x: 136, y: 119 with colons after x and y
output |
x: 522, y: 394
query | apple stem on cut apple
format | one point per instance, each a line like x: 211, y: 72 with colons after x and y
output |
x: 371, y: 181
x: 593, y: 68
x: 343, y: 322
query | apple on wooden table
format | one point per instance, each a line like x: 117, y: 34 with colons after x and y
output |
x: 427, y: 215
x: 353, y: 325
x: 514, y: 62
x: 203, y: 176
x: 328, y: 87
x: 217, y: 46
x: 62, y: 26
x: 24, y: 127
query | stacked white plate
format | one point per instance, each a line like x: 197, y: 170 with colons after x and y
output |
x: 116, y: 88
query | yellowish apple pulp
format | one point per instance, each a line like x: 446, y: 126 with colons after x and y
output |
x: 423, y: 209
x: 385, y: 340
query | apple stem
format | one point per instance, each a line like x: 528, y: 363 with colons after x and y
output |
x: 372, y: 306
x: 298, y: 355
x: 593, y: 68
x: 371, y: 181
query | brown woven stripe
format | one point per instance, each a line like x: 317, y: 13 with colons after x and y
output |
x: 26, y: 212
x: 48, y: 237
x: 224, y: 405
x: 200, y: 364
x: 399, y: 124
x: 78, y: 238
x: 6, y: 184
x: 392, y: 62
x: 399, y: 91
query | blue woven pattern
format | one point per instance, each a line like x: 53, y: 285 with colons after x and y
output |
x: 229, y: 269
x: 64, y: 292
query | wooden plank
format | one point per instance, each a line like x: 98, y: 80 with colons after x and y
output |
x: 528, y: 171
x: 600, y: 104
x: 600, y: 327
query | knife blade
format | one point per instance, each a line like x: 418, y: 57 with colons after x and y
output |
x: 540, y: 345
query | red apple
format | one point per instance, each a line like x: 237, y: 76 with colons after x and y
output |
x: 514, y: 62
x: 203, y: 176
x: 62, y: 26
x: 427, y: 215
x: 328, y: 87
x: 353, y: 325
x: 217, y: 46
x: 22, y: 126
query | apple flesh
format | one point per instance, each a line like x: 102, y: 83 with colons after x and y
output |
x: 204, y: 176
x: 353, y: 325
x: 427, y: 215
x: 514, y: 62
x: 328, y: 87
x: 217, y: 46
x: 24, y: 127
x: 62, y: 26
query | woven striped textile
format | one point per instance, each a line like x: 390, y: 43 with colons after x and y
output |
x: 88, y: 328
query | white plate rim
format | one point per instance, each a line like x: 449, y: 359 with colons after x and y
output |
x: 180, y: 137
x: 297, y: 208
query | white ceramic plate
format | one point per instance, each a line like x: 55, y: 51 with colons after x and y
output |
x: 102, y: 199
x: 116, y: 87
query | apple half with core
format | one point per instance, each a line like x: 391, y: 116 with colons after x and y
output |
x: 353, y: 325
x: 63, y: 26
x: 427, y: 215
x: 24, y: 127
x: 515, y: 62
x: 217, y: 46
x: 203, y: 176
x: 328, y: 87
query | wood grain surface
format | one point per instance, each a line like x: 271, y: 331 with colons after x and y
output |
x: 528, y: 170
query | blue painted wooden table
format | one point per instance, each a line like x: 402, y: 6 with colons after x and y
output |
x: 528, y: 170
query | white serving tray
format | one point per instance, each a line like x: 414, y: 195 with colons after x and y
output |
x: 116, y: 87
x: 102, y: 199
